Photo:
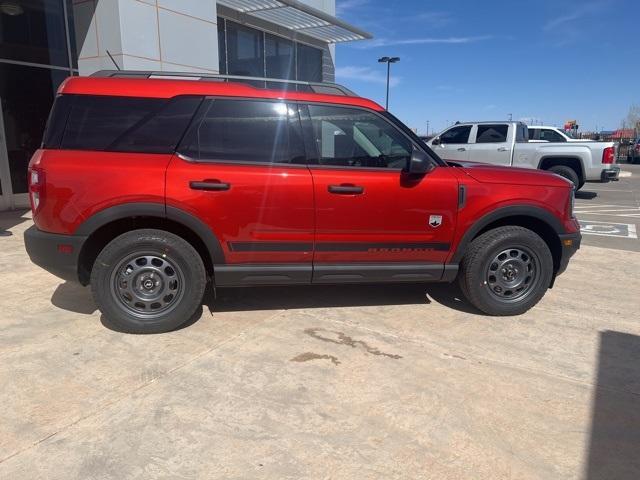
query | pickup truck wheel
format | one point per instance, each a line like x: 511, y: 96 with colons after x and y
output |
x: 506, y: 271
x: 148, y: 281
x: 568, y: 173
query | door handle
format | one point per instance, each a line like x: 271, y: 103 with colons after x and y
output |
x: 502, y: 149
x: 346, y: 189
x: 462, y: 149
x: 213, y: 185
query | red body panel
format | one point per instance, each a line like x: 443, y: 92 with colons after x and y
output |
x: 393, y: 208
x: 265, y: 204
x: 82, y: 183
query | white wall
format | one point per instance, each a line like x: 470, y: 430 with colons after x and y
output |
x: 166, y: 35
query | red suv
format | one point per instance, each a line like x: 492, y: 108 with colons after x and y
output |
x: 149, y: 189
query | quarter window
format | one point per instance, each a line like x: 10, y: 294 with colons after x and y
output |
x: 246, y: 131
x: 350, y: 137
x: 121, y: 124
x: 456, y: 135
x: 492, y: 133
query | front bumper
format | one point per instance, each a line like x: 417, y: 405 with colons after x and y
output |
x: 570, y: 244
x: 610, y: 174
x: 57, y: 254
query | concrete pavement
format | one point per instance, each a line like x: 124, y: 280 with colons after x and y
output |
x: 342, y: 382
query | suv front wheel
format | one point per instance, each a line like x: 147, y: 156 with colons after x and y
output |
x: 506, y: 271
x: 148, y: 281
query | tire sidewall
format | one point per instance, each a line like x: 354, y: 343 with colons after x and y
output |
x: 567, y: 173
x: 478, y: 289
x: 177, y: 251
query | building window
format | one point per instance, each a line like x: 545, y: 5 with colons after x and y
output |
x: 34, y: 32
x: 222, y: 45
x: 309, y: 63
x: 245, y: 50
x: 280, y: 57
x: 249, y: 52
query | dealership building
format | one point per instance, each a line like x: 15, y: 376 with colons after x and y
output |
x: 44, y: 41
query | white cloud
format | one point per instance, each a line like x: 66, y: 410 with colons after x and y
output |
x: 582, y: 11
x: 384, y: 42
x: 365, y: 74
x: 343, y: 6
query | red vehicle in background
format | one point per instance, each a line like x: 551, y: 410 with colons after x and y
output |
x: 151, y: 189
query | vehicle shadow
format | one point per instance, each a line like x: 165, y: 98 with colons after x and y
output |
x: 614, y: 442
x: 78, y: 299
x: 8, y: 220
x: 586, y: 195
x: 327, y: 296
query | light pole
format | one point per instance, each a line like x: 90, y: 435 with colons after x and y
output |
x: 388, y: 61
x: 427, y: 128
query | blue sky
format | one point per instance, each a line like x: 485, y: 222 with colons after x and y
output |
x: 548, y: 60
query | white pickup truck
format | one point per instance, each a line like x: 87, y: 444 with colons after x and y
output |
x: 542, y: 133
x: 507, y: 143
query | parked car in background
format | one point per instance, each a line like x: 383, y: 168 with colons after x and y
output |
x: 633, y: 155
x: 507, y: 144
x: 539, y: 133
x: 152, y: 189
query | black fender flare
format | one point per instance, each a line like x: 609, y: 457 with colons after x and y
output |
x: 505, y: 212
x: 159, y: 210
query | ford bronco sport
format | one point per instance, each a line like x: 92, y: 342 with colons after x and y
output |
x: 150, y: 188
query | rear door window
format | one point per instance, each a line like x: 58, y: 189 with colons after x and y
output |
x: 246, y: 131
x: 127, y: 124
x: 456, y: 135
x: 492, y: 133
x: 551, y: 136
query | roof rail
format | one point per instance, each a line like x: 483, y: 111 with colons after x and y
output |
x: 258, y: 82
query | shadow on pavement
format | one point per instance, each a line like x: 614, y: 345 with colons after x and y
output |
x: 76, y: 298
x: 586, y: 195
x: 324, y: 296
x: 614, y: 447
x: 8, y: 220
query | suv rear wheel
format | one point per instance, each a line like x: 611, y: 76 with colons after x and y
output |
x: 506, y: 271
x: 148, y: 281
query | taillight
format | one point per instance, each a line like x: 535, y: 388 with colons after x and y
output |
x: 36, y: 187
x: 609, y: 155
x: 638, y: 147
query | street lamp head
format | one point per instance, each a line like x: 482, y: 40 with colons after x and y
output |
x: 394, y: 59
x: 383, y: 59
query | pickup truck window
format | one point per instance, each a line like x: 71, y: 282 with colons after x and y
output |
x: 492, y: 133
x: 551, y: 136
x: 350, y: 137
x: 456, y: 135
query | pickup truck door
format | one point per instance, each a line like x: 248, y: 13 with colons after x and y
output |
x: 453, y: 144
x: 492, y: 143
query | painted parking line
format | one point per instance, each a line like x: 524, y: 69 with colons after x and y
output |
x: 609, y: 210
x: 608, y: 229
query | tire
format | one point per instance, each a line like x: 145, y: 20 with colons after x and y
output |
x: 148, y: 281
x: 487, y: 287
x: 568, y: 173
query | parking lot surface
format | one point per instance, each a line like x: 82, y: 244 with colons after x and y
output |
x: 358, y: 382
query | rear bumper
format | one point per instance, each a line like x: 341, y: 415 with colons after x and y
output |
x: 57, y: 254
x: 610, y: 174
x: 570, y: 245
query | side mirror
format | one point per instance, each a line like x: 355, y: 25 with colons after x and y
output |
x: 420, y: 163
x: 435, y: 141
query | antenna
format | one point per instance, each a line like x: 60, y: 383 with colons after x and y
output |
x: 114, y: 62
